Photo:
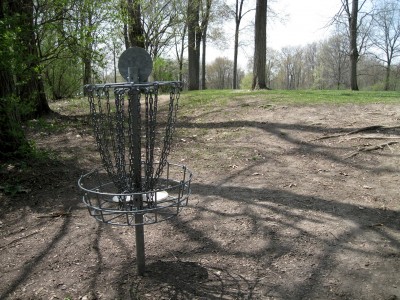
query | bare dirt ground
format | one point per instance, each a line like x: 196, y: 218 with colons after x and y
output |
x: 288, y: 202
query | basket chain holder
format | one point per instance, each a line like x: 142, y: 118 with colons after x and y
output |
x: 137, y: 185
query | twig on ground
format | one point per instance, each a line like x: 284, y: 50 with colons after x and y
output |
x: 362, y: 129
x: 371, y: 148
x: 373, y: 137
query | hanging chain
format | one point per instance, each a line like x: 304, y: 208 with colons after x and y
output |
x: 169, y: 128
x: 121, y: 134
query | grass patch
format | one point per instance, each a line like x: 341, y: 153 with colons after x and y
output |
x: 195, y: 99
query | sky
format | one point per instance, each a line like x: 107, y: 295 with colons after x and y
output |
x: 304, y: 23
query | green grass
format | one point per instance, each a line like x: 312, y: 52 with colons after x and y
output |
x: 195, y: 99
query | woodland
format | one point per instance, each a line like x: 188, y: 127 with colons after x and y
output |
x: 50, y: 49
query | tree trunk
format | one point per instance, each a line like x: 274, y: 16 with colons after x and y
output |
x: 12, y: 137
x: 353, y: 45
x: 203, y: 36
x: 135, y: 28
x: 193, y: 38
x: 235, y: 57
x: 238, y: 18
x: 31, y: 87
x: 387, y: 77
x: 203, y: 60
x: 260, y: 45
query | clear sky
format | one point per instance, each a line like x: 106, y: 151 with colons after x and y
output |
x: 304, y: 23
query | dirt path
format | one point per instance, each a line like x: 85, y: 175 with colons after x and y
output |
x: 288, y: 202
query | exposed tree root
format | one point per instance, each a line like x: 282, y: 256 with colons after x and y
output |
x: 362, y: 129
x: 371, y: 148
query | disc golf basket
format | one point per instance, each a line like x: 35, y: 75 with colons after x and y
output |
x: 137, y: 185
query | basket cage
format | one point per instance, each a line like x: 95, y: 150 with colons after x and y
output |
x: 165, y: 201
x: 134, y: 137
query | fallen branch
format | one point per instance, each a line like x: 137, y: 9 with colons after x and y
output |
x: 371, y: 148
x: 362, y: 129
x: 373, y: 137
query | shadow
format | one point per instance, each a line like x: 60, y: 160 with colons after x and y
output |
x: 310, y: 141
x: 177, y: 272
x: 190, y: 280
x: 283, y: 209
x: 28, y: 267
x: 237, y: 240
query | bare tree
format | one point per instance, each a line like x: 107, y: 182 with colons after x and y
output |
x: 332, y: 70
x: 386, y: 36
x: 160, y: 20
x: 238, y: 14
x: 180, y: 45
x: 357, y: 26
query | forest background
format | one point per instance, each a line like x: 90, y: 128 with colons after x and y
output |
x: 50, y: 49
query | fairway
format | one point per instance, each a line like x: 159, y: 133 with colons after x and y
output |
x: 295, y: 195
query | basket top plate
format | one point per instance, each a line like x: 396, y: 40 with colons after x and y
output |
x: 135, y: 65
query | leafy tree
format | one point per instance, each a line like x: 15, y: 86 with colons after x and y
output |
x: 12, y: 138
x: 133, y: 27
x: 164, y: 69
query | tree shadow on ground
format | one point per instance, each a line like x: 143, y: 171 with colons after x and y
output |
x: 278, y: 217
x: 281, y: 205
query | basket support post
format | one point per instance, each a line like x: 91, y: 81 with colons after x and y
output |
x: 140, y: 254
x: 137, y: 177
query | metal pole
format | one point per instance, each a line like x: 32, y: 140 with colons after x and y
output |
x: 134, y: 99
x: 140, y: 256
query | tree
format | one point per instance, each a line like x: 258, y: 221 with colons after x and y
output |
x: 180, y: 45
x: 357, y: 26
x: 220, y: 73
x: 353, y: 43
x: 205, y: 13
x: 238, y: 16
x: 386, y: 36
x: 12, y: 137
x: 159, y: 21
x: 260, y: 45
x: 133, y: 29
x: 30, y: 81
x: 332, y: 69
x: 194, y: 39
x: 309, y: 65
x: 25, y: 66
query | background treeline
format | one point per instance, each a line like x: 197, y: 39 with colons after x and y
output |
x: 49, y: 49
x: 322, y: 65
x: 69, y: 43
